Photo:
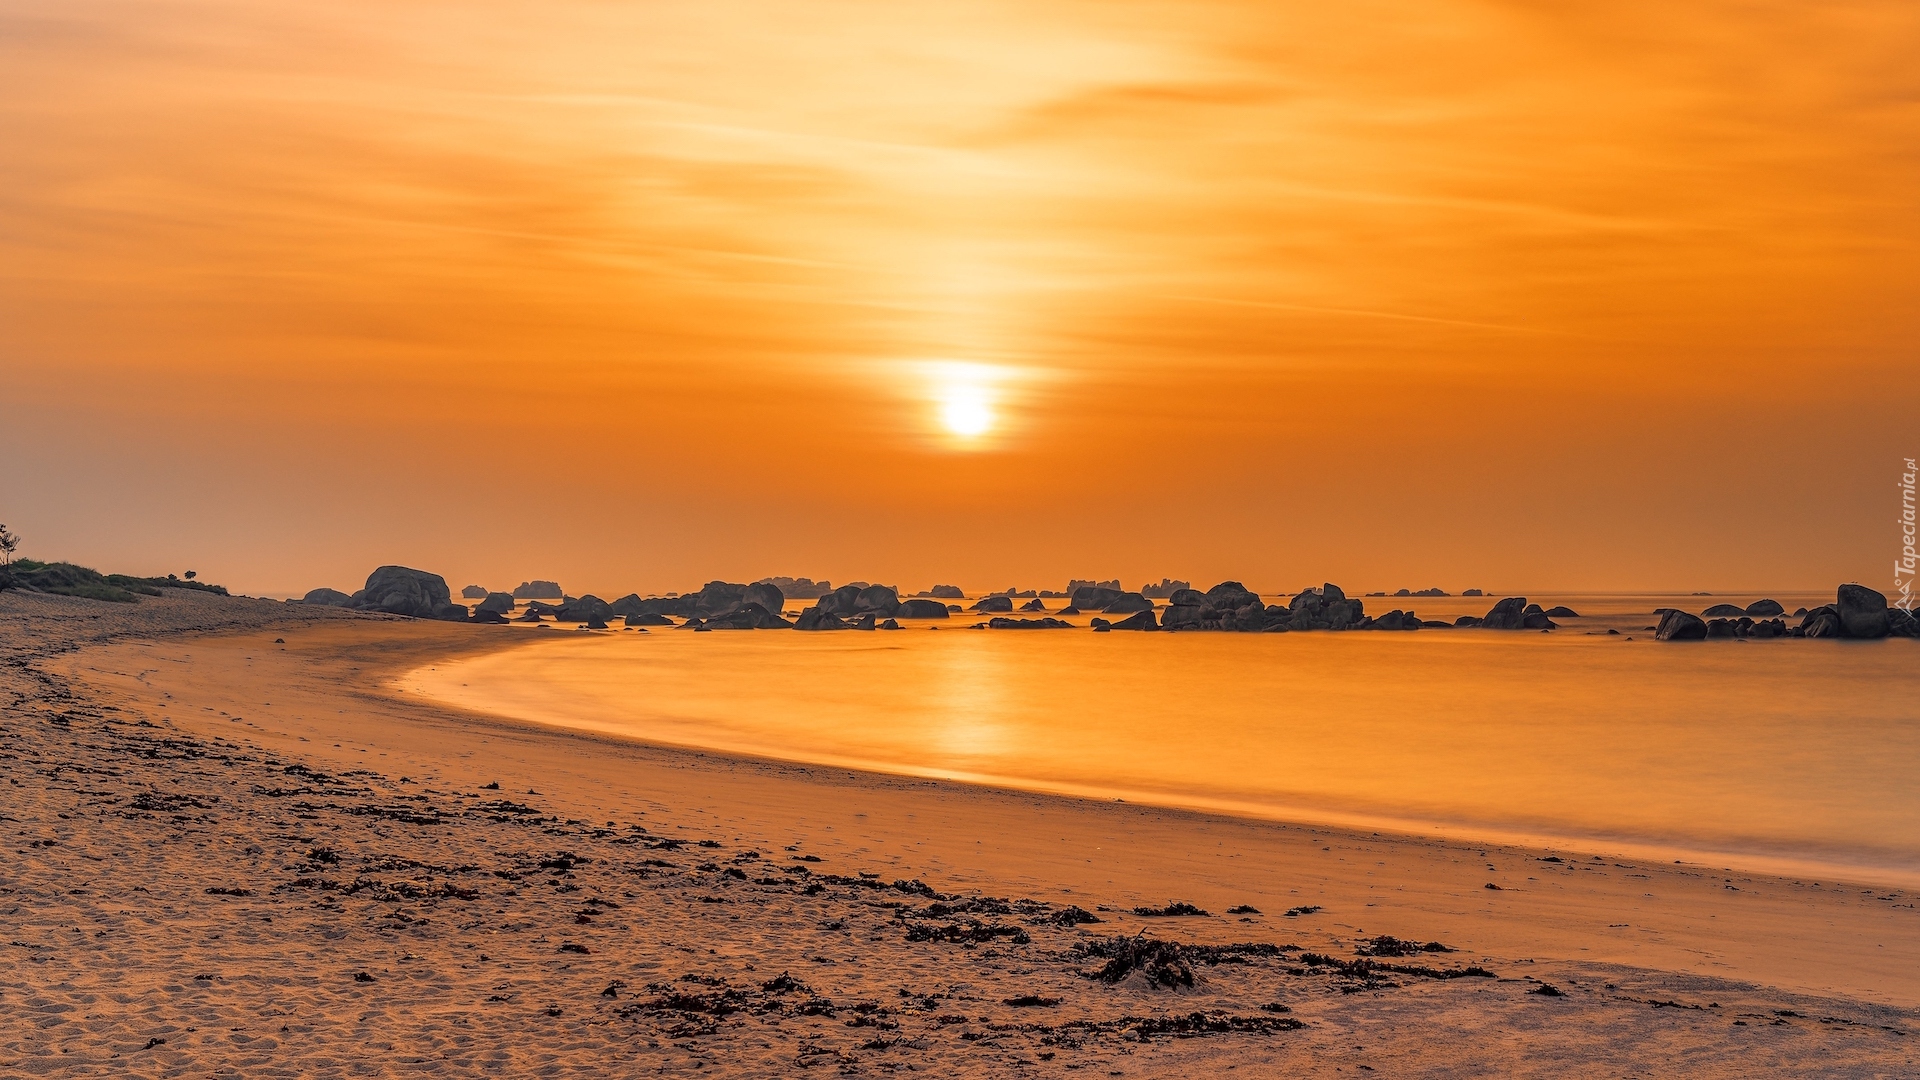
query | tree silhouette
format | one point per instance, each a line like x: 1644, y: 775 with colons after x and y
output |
x: 9, y: 543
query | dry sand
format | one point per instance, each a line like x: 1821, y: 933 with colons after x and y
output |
x: 231, y: 854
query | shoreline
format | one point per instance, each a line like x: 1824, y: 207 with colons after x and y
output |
x: 1550, y: 921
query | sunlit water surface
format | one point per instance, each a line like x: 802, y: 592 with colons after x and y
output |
x: 1799, y: 756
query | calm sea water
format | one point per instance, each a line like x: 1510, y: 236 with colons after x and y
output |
x: 1801, y: 756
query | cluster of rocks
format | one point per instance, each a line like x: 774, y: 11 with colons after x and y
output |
x: 397, y: 590
x: 1856, y: 612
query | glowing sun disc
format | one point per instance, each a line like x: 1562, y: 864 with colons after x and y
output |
x: 966, y: 412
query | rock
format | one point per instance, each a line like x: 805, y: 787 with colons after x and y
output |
x: 1467, y: 620
x: 1139, y: 620
x: 921, y: 609
x: 1068, y: 610
x: 474, y: 592
x: 648, y: 620
x: 497, y: 602
x: 947, y: 592
x: 1330, y: 593
x: 1437, y: 624
x: 1765, y: 609
x: 994, y: 603
x: 1723, y: 611
x: 1508, y: 614
x: 861, y: 622
x: 328, y: 598
x: 818, y: 617
x: 766, y: 594
x: 1091, y: 597
x: 748, y: 617
x: 1821, y: 622
x: 890, y: 625
x: 587, y: 608
x: 1128, y: 602
x: 1799, y: 612
x: 1537, y: 620
x: 1677, y: 625
x: 1232, y: 596
x: 1033, y: 605
x: 538, y: 590
x: 882, y: 600
x: 1901, y: 623
x: 1183, y: 616
x: 1028, y: 624
x: 1561, y: 611
x: 1164, y: 590
x: 630, y: 604
x: 1473, y: 592
x: 529, y: 615
x: 483, y: 615
x: 1395, y: 620
x: 1721, y: 628
x: 717, y: 597
x: 1862, y: 611
x: 1101, y: 626
x: 401, y: 590
x: 1187, y: 598
x: 595, y: 621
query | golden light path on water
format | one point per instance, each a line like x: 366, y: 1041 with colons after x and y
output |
x: 1793, y: 756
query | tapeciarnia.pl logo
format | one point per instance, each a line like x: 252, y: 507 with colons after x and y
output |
x: 1903, y: 566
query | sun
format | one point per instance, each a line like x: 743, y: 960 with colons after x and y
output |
x: 966, y: 410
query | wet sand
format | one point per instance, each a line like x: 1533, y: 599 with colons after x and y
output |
x: 231, y: 852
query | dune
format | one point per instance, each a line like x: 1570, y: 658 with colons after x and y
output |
x: 237, y: 846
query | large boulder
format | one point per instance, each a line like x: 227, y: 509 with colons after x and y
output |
x: 538, y: 590
x: 587, y: 609
x: 882, y: 600
x: 1139, y: 620
x: 994, y: 603
x: 1126, y: 603
x: 1765, y: 609
x: 1901, y: 623
x: 482, y: 615
x: 474, y: 592
x: 1862, y: 611
x: 1561, y: 611
x: 402, y: 590
x: 1036, y: 604
x: 648, y: 620
x: 818, y: 617
x: 766, y: 594
x: 328, y: 598
x: 1723, y: 611
x: 1821, y: 622
x: 1183, y: 617
x: 1395, y: 620
x: 947, y: 592
x: 1232, y: 596
x: 1677, y: 625
x: 716, y: 597
x: 1508, y: 614
x: 1186, y: 597
x: 1093, y: 597
x: 497, y: 603
x: 921, y: 609
x: 630, y: 604
x: 748, y: 617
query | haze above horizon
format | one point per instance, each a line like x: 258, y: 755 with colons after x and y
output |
x: 1455, y: 294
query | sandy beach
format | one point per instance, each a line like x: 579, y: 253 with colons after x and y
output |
x: 236, y: 849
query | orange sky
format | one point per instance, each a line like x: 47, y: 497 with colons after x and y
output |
x: 639, y: 295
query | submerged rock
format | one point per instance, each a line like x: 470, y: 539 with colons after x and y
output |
x: 1561, y: 611
x: 1028, y: 624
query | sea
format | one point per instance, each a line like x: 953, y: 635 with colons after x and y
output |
x: 1796, y: 757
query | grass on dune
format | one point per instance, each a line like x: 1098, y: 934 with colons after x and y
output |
x: 67, y: 579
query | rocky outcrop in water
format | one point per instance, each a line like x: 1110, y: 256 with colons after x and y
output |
x: 497, y: 603
x: 993, y: 603
x: 921, y: 609
x: 538, y: 590
x: 1677, y: 625
x: 1765, y: 609
x: 474, y: 592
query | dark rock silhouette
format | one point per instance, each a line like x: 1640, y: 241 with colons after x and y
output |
x: 538, y: 590
x: 1508, y: 614
x: 1902, y: 623
x: 766, y: 594
x: 818, y: 618
x: 946, y: 592
x: 1677, y: 625
x: 1561, y: 611
x: 498, y: 603
x: 648, y: 620
x: 1723, y: 611
x: 889, y: 624
x: 474, y: 592
x: 1722, y: 628
x: 1028, y: 624
x: 1139, y: 620
x: 1034, y: 605
x: 748, y: 617
x: 1101, y: 626
x: 1094, y: 597
x: 1821, y: 622
x: 402, y: 590
x: 1127, y: 603
x: 1395, y: 620
x: 1164, y: 590
x: 328, y: 598
x: 994, y: 603
x: 1068, y: 610
x: 1862, y: 611
x: 1765, y: 609
x: 586, y: 609
x: 921, y: 609
x: 485, y: 615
